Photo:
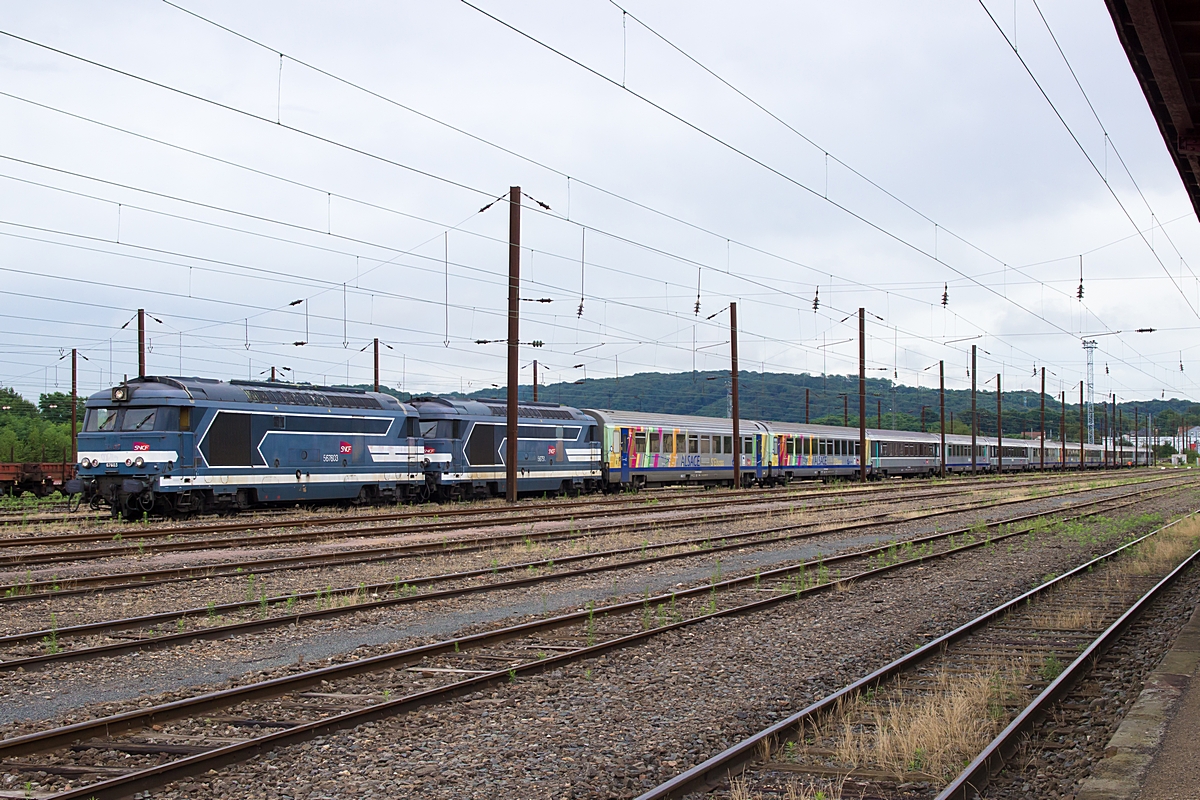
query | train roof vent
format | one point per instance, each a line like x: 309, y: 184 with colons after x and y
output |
x: 536, y: 412
x: 295, y: 398
x: 353, y: 401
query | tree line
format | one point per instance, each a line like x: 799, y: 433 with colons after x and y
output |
x: 40, y: 432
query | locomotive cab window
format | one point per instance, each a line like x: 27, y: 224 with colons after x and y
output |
x: 444, y: 429
x: 101, y: 419
x: 139, y: 419
x: 185, y: 418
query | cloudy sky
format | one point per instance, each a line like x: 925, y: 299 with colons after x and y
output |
x: 215, y: 162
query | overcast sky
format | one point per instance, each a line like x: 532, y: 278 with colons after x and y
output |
x: 903, y: 152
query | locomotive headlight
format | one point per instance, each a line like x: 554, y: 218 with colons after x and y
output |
x: 129, y: 462
x: 139, y: 462
x: 85, y: 463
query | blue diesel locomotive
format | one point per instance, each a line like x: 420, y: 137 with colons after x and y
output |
x: 177, y: 445
x: 558, y: 449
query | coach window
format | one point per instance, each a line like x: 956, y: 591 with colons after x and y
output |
x: 639, y: 442
x: 705, y: 444
x: 668, y: 443
x: 748, y: 445
x: 654, y: 442
x: 716, y: 444
x: 693, y: 444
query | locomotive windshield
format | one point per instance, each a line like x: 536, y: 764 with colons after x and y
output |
x: 101, y: 419
x: 139, y: 419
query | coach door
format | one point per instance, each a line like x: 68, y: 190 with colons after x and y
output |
x: 623, y: 442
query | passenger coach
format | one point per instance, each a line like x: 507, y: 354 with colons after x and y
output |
x: 643, y: 449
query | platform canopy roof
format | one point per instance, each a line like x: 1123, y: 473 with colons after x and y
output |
x: 1162, y: 40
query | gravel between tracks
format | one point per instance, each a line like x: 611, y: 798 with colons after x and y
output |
x: 617, y: 725
x: 1062, y: 751
x: 197, y: 592
x: 60, y: 689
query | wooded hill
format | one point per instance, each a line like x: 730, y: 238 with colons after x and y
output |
x: 780, y: 397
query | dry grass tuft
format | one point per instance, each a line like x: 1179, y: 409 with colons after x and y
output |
x: 821, y: 790
x: 934, y: 733
x: 739, y: 790
x: 1072, y: 619
x: 1161, y: 553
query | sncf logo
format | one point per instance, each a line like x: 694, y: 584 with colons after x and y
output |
x: 141, y: 446
x: 551, y: 449
x: 429, y: 449
x: 346, y: 448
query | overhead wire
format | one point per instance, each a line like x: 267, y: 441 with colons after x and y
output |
x: 164, y: 86
x: 744, y: 154
x: 1087, y: 156
x: 543, y: 165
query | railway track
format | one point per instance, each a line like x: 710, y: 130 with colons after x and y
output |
x: 261, y: 519
x: 873, y: 739
x: 723, y: 510
x: 30, y: 589
x: 266, y: 519
x: 298, y: 608
x: 145, y: 748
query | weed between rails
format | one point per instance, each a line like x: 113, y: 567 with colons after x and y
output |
x: 933, y: 734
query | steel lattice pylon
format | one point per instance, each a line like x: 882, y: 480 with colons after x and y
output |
x: 1090, y: 346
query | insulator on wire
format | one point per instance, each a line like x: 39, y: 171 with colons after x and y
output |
x: 817, y: 299
x: 945, y: 295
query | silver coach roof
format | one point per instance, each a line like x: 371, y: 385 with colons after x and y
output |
x: 635, y: 419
